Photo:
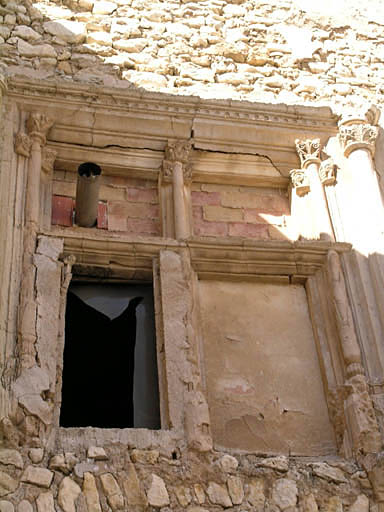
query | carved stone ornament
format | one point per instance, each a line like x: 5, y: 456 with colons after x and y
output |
x: 327, y: 172
x: 358, y: 136
x: 23, y: 144
x: 48, y: 160
x: 177, y: 152
x: 300, y: 181
x: 38, y: 126
x: 308, y: 150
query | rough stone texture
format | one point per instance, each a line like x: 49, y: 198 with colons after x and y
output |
x: 112, y: 490
x: 145, y: 456
x: 131, y: 486
x: 38, y: 476
x: 11, y: 457
x: 228, y: 463
x: 68, y: 493
x: 157, y: 493
x: 218, y: 494
x: 235, y: 489
x: 284, y: 493
x: 25, y: 506
x: 6, y: 506
x: 36, y: 455
x: 7, y: 484
x: 45, y: 502
x: 97, y: 453
x: 91, y: 494
x: 323, y: 470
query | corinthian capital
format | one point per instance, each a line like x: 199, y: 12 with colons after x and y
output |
x: 38, y: 126
x: 308, y: 150
x: 23, y: 144
x: 300, y: 181
x: 327, y: 172
x: 177, y: 153
x: 358, y: 136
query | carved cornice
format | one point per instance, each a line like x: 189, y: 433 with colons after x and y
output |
x: 300, y: 181
x: 370, y: 115
x: 309, y: 151
x: 48, y: 158
x: 327, y: 172
x: 38, y: 126
x: 357, y: 136
x: 23, y: 144
x: 177, y: 152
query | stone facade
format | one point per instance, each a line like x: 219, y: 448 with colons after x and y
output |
x: 259, y: 225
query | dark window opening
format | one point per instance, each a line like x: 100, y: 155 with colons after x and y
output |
x: 110, y: 377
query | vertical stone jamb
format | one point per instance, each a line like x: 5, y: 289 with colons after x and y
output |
x: 30, y: 146
x: 177, y: 170
x: 309, y: 153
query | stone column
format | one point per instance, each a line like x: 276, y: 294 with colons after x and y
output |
x: 309, y: 153
x: 178, y: 171
x: 301, y: 221
x: 30, y: 146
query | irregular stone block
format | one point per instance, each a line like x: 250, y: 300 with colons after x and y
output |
x: 228, y: 463
x: 145, y: 456
x: 6, y: 506
x: 360, y: 505
x: 7, y: 484
x: 157, y: 494
x: 218, y: 495
x: 255, y: 494
x: 66, y: 30
x: 45, y: 502
x: 308, y: 504
x: 68, y: 493
x: 58, y: 463
x: 199, y: 493
x: 112, y: 491
x: 10, y: 457
x: 91, y: 493
x: 284, y: 493
x: 131, y: 486
x: 36, y: 455
x: 183, y: 495
x: 37, y: 476
x: 334, y: 505
x: 97, y: 453
x: 322, y: 470
x: 25, y: 506
x: 277, y: 463
x: 236, y: 490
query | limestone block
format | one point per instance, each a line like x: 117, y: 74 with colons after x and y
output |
x: 235, y: 489
x: 255, y: 494
x: 219, y: 213
x: 37, y: 476
x: 28, y: 389
x: 308, y: 504
x: 102, y: 38
x: 112, y: 491
x: 26, y: 33
x: 50, y: 247
x: 84, y: 467
x: 360, y: 505
x: 276, y: 463
x: 41, y: 50
x: 7, y: 484
x: 228, y: 463
x: 284, y: 493
x: 145, y: 456
x: 25, y: 506
x: 91, y: 494
x: 130, y: 45
x: 97, y: 453
x: 131, y: 486
x: 199, y: 493
x: 10, y: 457
x: 334, y: 505
x: 218, y: 495
x: 157, y: 493
x: 58, y: 463
x: 36, y: 455
x: 68, y: 493
x: 6, y: 506
x: 183, y: 495
x: 66, y: 30
x: 104, y: 7
x: 45, y: 502
x: 322, y: 470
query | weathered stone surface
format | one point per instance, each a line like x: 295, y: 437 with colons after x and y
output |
x: 228, y: 463
x: 7, y: 484
x: 235, y: 489
x: 284, y: 493
x: 11, y: 457
x: 6, y: 506
x: 26, y: 33
x: 36, y: 455
x: 255, y: 494
x: 131, y: 486
x: 68, y: 493
x: 218, y: 495
x: 39, y: 50
x: 334, y: 505
x: 276, y: 463
x: 360, y: 505
x: 45, y: 502
x: 97, y: 453
x: 66, y: 30
x: 25, y: 506
x: 91, y: 493
x: 112, y: 490
x: 183, y: 495
x: 37, y: 476
x: 322, y: 470
x: 157, y: 493
x: 308, y: 504
x: 29, y: 387
x: 199, y: 493
x: 145, y: 456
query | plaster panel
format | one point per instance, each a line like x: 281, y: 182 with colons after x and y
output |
x: 263, y: 379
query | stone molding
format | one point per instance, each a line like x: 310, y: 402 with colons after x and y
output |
x: 38, y: 125
x: 327, y: 172
x: 358, y: 136
x: 23, y: 144
x: 308, y: 151
x: 370, y: 115
x: 48, y: 158
x: 177, y: 152
x: 300, y: 181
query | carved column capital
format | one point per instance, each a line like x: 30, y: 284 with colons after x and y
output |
x: 23, y: 144
x: 300, y: 181
x: 38, y: 126
x: 368, y: 114
x: 357, y: 136
x: 309, y: 151
x: 177, y: 152
x: 327, y: 172
x: 48, y: 158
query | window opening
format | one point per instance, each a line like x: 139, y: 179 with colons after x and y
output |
x: 110, y: 377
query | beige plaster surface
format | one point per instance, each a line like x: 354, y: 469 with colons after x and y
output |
x: 263, y: 380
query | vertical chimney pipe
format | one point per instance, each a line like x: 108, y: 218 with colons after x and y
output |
x: 87, y: 194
